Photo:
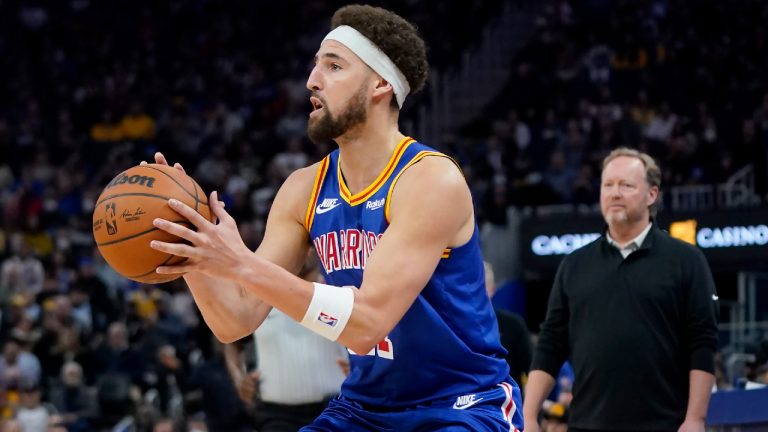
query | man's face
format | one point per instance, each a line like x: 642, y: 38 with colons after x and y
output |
x: 339, y: 92
x: 624, y: 192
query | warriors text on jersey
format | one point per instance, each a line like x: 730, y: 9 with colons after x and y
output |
x: 447, y: 343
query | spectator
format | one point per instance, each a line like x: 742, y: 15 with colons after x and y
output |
x: 31, y: 414
x: 220, y: 402
x: 74, y: 401
x: 22, y: 273
x: 616, y: 291
x: 117, y: 356
x: 18, y: 366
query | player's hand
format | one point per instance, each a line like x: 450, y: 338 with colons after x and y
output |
x: 692, y: 425
x: 214, y: 249
x: 246, y: 385
x: 343, y: 365
x: 160, y: 159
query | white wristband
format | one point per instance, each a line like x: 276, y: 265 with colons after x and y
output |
x: 329, y: 310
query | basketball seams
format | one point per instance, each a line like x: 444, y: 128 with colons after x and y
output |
x: 139, y: 234
x: 170, y: 257
x: 197, y: 200
x: 163, y: 197
x: 174, y: 179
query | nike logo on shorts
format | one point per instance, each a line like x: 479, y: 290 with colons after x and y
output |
x: 466, y: 401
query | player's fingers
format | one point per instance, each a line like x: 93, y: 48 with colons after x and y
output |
x: 218, y: 208
x: 159, y: 158
x: 188, y: 212
x: 178, y: 249
x: 179, y: 269
x: 179, y: 167
x: 143, y: 163
x: 177, y: 229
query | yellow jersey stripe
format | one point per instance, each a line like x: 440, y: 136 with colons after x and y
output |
x: 321, y: 171
x: 366, y: 193
x: 419, y: 156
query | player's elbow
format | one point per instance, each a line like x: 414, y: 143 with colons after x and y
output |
x: 225, y: 338
x: 365, y: 336
x: 228, y: 335
x: 362, y: 345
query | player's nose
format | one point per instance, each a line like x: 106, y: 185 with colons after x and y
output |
x: 314, y: 81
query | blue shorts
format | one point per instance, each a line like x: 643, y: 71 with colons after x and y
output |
x: 494, y: 410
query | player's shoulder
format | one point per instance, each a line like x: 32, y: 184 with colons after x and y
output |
x: 297, y: 189
x: 303, y: 179
x: 430, y: 183
x: 434, y: 169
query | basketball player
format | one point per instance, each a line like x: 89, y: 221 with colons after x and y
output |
x: 393, y: 225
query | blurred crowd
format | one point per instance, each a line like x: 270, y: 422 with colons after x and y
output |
x: 684, y: 81
x: 88, y: 89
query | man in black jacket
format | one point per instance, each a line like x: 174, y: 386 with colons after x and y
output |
x: 635, y: 311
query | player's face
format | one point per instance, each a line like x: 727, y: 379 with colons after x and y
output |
x: 339, y: 97
x: 625, y: 193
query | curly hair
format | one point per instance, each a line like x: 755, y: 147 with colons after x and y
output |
x: 395, y: 36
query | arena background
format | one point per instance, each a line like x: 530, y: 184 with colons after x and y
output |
x: 527, y: 95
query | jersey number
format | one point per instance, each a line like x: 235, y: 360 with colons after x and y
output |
x: 383, y: 349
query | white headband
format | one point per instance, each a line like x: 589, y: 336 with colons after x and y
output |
x: 373, y: 57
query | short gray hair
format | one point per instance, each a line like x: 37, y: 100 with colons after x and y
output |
x: 652, y: 170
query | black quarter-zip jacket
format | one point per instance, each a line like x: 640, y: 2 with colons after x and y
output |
x: 633, y: 329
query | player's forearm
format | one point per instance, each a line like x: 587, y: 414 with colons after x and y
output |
x: 293, y: 295
x: 539, y: 385
x: 700, y: 389
x: 229, y: 311
x: 275, y: 286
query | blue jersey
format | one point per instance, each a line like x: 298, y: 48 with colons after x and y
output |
x: 447, y: 343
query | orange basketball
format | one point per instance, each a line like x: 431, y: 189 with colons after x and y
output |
x: 123, y: 215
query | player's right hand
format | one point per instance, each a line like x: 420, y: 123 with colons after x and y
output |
x: 160, y: 159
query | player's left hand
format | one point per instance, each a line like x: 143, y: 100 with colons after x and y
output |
x: 214, y: 249
x: 692, y: 425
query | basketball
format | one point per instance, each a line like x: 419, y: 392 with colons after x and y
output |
x: 123, y: 215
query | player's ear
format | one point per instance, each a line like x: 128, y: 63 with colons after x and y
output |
x: 381, y: 87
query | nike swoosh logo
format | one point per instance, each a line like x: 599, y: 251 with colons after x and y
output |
x: 715, y: 297
x: 321, y: 210
x: 467, y: 405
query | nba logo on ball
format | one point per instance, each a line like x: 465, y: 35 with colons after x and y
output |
x: 110, y: 217
x: 327, y: 319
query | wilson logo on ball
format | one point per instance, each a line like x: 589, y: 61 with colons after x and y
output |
x: 111, y: 212
x: 141, y: 180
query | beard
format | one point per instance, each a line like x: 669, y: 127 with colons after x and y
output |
x: 328, y: 127
x: 616, y: 217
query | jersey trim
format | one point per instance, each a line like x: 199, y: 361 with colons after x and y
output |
x: 366, y: 193
x: 419, y: 156
x: 319, y: 177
